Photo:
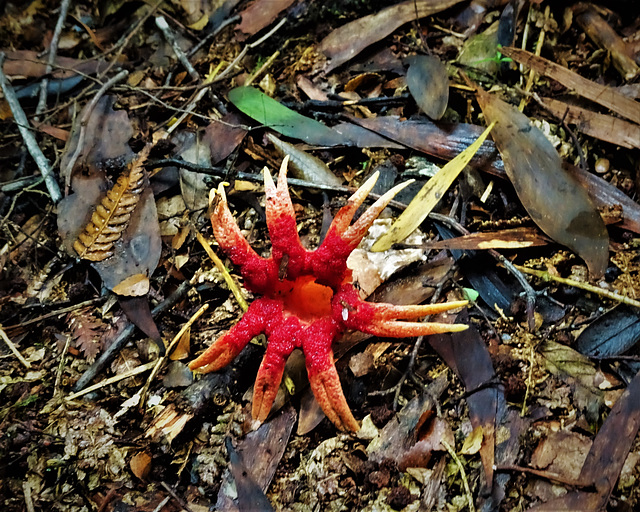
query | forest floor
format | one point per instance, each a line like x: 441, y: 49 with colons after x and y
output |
x: 118, y: 119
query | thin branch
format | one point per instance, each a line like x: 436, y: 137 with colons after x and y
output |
x: 112, y: 380
x: 213, y: 34
x: 247, y: 47
x: 53, y: 51
x: 546, y: 276
x: 13, y: 349
x: 162, y: 24
x: 28, y: 137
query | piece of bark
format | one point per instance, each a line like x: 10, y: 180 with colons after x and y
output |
x: 192, y: 403
x: 601, y: 94
x: 607, y: 128
x: 605, y: 37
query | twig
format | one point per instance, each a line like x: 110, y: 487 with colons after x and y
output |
x: 85, y: 119
x: 57, y: 312
x: 61, y: 365
x: 547, y: 475
x: 20, y: 183
x: 121, y: 340
x: 13, y: 348
x: 546, y: 276
x: 221, y: 173
x: 111, y: 380
x: 213, y: 34
x: 225, y: 273
x: 248, y: 47
x: 158, y: 364
x: 53, y: 51
x: 162, y: 24
x: 263, y: 68
x: 28, y: 138
x: 515, y: 270
x: 463, y: 474
x: 28, y: 500
x: 180, y: 501
x: 162, y: 504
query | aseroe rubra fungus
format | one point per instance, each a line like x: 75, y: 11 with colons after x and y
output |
x: 307, y: 298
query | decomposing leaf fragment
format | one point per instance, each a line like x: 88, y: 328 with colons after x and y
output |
x: 111, y: 216
x: 428, y: 83
x: 556, y: 201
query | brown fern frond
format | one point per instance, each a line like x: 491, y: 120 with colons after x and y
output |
x: 111, y: 216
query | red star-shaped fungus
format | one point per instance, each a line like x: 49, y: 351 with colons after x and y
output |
x: 307, y: 298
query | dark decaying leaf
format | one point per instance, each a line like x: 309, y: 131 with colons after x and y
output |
x: 261, y: 14
x: 107, y: 134
x: 606, y: 457
x: 466, y: 354
x: 224, y: 137
x: 111, y: 217
x: 138, y: 312
x: 612, y: 334
x: 363, y: 138
x: 136, y: 254
x: 349, y: 40
x: 428, y: 83
x: 442, y: 140
x: 30, y: 63
x: 191, y: 147
x: 399, y: 435
x: 556, y: 202
x: 479, y: 269
x: 259, y: 453
x: 269, y: 113
x: 516, y: 238
x: 249, y: 494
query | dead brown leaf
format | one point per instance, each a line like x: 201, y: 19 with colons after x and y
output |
x: 349, y: 40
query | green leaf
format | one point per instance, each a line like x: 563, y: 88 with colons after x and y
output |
x: 271, y: 114
x: 470, y: 294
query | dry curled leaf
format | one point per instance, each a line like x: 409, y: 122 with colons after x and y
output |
x: 86, y: 332
x: 554, y: 199
x: 111, y: 216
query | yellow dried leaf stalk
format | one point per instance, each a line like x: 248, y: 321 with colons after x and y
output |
x: 111, y: 216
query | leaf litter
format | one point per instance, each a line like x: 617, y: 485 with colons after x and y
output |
x: 526, y: 405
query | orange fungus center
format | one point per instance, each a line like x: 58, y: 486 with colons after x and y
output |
x: 305, y: 298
